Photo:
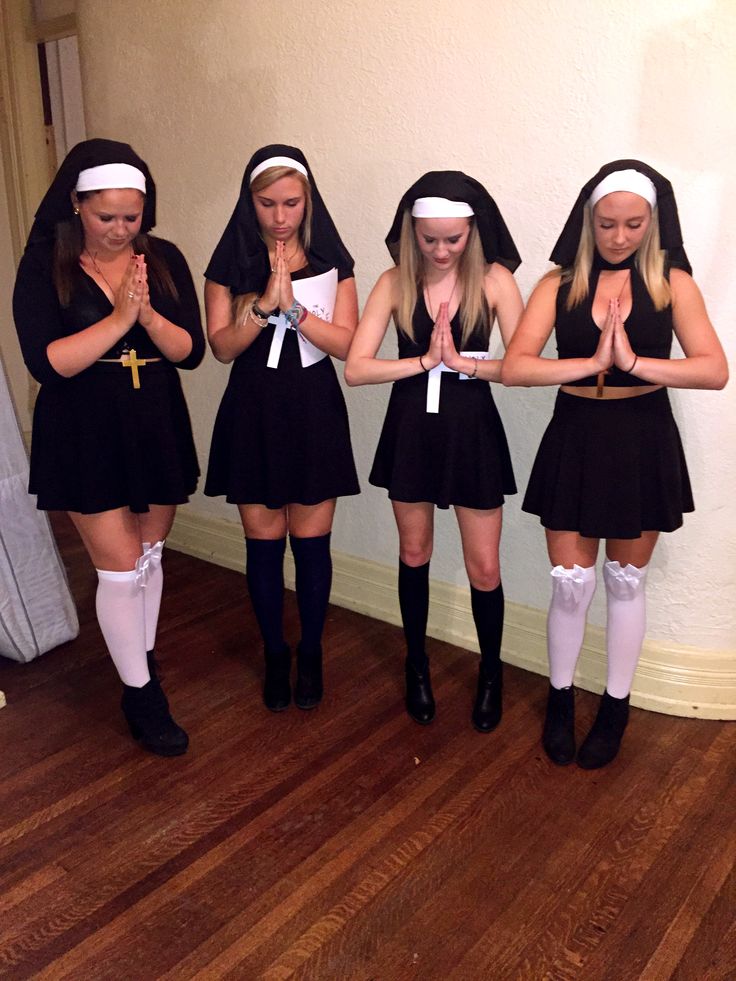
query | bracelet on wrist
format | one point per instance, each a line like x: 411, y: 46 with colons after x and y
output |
x: 260, y: 320
x: 259, y: 312
x: 421, y: 363
x: 475, y: 368
x: 296, y: 314
x: 636, y: 358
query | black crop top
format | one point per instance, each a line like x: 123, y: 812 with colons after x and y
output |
x: 649, y: 330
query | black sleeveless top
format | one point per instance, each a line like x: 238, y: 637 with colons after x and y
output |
x: 649, y: 330
x: 423, y: 326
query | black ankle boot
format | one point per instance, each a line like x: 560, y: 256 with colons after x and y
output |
x: 308, y: 692
x: 488, y: 700
x: 419, y: 697
x: 603, y: 741
x: 277, y: 687
x: 558, y: 735
x: 147, y: 713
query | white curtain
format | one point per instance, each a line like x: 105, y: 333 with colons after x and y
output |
x: 36, y: 608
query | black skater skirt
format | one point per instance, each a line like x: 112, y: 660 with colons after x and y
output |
x: 610, y: 468
x: 99, y: 444
x: 281, y: 435
x: 457, y: 456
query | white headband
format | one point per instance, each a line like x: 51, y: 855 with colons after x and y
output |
x: 277, y: 162
x: 440, y: 208
x: 109, y: 176
x: 625, y: 180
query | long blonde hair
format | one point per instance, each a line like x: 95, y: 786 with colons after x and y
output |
x: 471, y: 273
x: 650, y: 260
x: 243, y: 304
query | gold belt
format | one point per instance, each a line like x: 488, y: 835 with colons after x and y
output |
x: 130, y: 360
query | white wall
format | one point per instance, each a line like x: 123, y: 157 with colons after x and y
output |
x: 528, y: 96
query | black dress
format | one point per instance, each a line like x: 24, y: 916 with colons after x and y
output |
x: 457, y: 456
x: 281, y: 435
x: 611, y: 468
x: 98, y: 442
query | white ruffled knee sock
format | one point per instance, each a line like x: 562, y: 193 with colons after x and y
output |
x: 151, y: 577
x: 626, y: 624
x: 572, y: 591
x: 121, y: 615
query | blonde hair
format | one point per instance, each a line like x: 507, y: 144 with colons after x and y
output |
x: 650, y: 260
x: 471, y: 273
x: 243, y: 304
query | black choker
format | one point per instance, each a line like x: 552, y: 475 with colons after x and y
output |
x: 600, y: 263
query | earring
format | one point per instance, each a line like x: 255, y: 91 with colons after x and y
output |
x: 76, y: 211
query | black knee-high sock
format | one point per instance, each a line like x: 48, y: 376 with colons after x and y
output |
x: 488, y: 607
x: 264, y: 570
x: 414, y: 603
x: 313, y: 564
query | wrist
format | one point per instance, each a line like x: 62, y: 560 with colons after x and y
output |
x: 296, y: 314
x: 260, y: 308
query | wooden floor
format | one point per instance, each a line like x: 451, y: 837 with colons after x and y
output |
x: 347, y: 842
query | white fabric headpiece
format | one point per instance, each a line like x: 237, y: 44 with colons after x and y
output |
x: 625, y: 180
x: 277, y: 162
x: 440, y: 208
x: 109, y: 176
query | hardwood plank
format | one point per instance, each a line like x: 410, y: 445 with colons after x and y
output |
x: 348, y: 842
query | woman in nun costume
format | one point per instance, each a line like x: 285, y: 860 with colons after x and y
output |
x: 610, y: 465
x: 106, y: 313
x: 443, y: 443
x: 281, y: 302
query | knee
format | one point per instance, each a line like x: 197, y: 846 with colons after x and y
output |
x: 484, y: 574
x: 415, y: 554
x: 572, y: 587
x: 624, y: 583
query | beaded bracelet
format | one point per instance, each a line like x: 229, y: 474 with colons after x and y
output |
x: 475, y: 368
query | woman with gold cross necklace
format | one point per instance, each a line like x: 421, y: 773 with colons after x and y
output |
x: 105, y: 314
x: 443, y: 443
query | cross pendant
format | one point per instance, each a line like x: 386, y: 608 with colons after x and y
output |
x: 132, y: 362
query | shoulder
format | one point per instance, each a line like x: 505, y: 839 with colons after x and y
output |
x: 684, y: 289
x: 549, y: 285
x: 681, y: 281
x: 39, y: 256
x: 166, y: 250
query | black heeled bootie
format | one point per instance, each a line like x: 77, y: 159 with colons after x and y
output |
x: 558, y: 735
x: 603, y: 741
x: 419, y: 698
x: 152, y: 664
x: 309, y: 689
x: 277, y: 687
x: 488, y: 700
x: 147, y: 713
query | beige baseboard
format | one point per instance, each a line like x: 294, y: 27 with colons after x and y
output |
x: 671, y: 678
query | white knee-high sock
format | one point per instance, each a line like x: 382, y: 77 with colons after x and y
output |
x: 626, y: 624
x: 121, y: 615
x: 572, y: 591
x: 151, y: 577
